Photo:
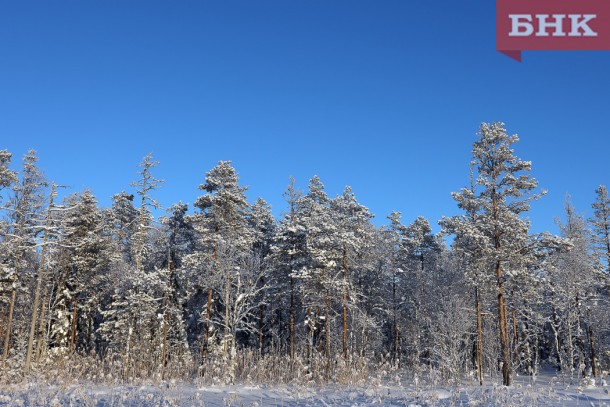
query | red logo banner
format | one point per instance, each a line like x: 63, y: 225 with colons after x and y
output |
x: 551, y: 25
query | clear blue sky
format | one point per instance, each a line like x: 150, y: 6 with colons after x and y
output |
x: 385, y: 96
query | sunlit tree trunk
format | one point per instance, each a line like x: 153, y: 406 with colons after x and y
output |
x: 503, y: 323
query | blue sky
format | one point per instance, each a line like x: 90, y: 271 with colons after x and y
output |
x: 385, y: 96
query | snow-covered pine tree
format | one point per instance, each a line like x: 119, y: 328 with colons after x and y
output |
x: 180, y: 241
x: 48, y: 236
x: 396, y: 268
x: 470, y: 245
x: 222, y: 228
x: 7, y: 176
x: 601, y: 225
x: 573, y: 286
x: 421, y: 248
x: 318, y: 276
x: 24, y: 207
x: 354, y: 236
x: 84, y: 264
x: 262, y: 224
x: 124, y: 220
x: 503, y: 193
x: 122, y: 223
x: 289, y: 254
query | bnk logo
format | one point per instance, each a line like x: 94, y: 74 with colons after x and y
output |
x: 552, y: 25
x: 523, y: 25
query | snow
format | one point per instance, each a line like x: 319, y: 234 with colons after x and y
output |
x: 546, y: 390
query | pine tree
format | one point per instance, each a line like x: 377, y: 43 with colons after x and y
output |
x: 318, y: 283
x: 601, y: 225
x: 222, y: 227
x: 7, y: 177
x: 354, y: 233
x: 396, y: 268
x: 180, y: 241
x: 289, y: 254
x: 48, y: 233
x: 86, y: 256
x: 421, y: 248
x: 503, y: 193
x: 262, y: 224
x: 124, y: 220
x: 573, y: 285
x: 24, y: 206
x: 470, y: 245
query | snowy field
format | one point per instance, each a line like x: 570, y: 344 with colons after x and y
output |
x: 545, y: 391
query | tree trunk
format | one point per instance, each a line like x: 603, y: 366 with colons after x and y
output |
x: 42, y: 335
x: 7, y: 338
x: 207, y: 324
x: 310, y: 343
x: 73, y: 334
x: 516, y: 338
x: 41, y: 268
x: 503, y: 322
x: 592, y: 353
x: 344, y: 301
x: 204, y: 352
x: 570, y: 348
x: 395, y: 328
x: 261, y: 314
x: 319, y: 330
x: 228, y: 325
x: 28, y: 358
x: 479, y: 350
x: 327, y: 327
x: 165, y: 332
x: 425, y: 336
x: 555, y: 327
x: 2, y: 325
x: 291, y: 323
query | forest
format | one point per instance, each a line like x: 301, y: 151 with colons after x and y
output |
x: 225, y: 292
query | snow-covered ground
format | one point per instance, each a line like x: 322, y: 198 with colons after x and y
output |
x: 547, y: 390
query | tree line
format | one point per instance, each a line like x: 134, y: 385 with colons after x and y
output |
x: 319, y: 289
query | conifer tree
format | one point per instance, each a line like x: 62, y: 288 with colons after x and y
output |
x: 124, y: 220
x: 354, y: 233
x: 7, y: 177
x: 601, y: 225
x: 47, y: 233
x: 573, y: 284
x: 318, y: 283
x: 396, y: 268
x: 262, y: 224
x: 289, y: 254
x: 86, y: 254
x: 144, y: 187
x: 421, y: 248
x: 24, y: 207
x: 222, y: 228
x: 503, y: 193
